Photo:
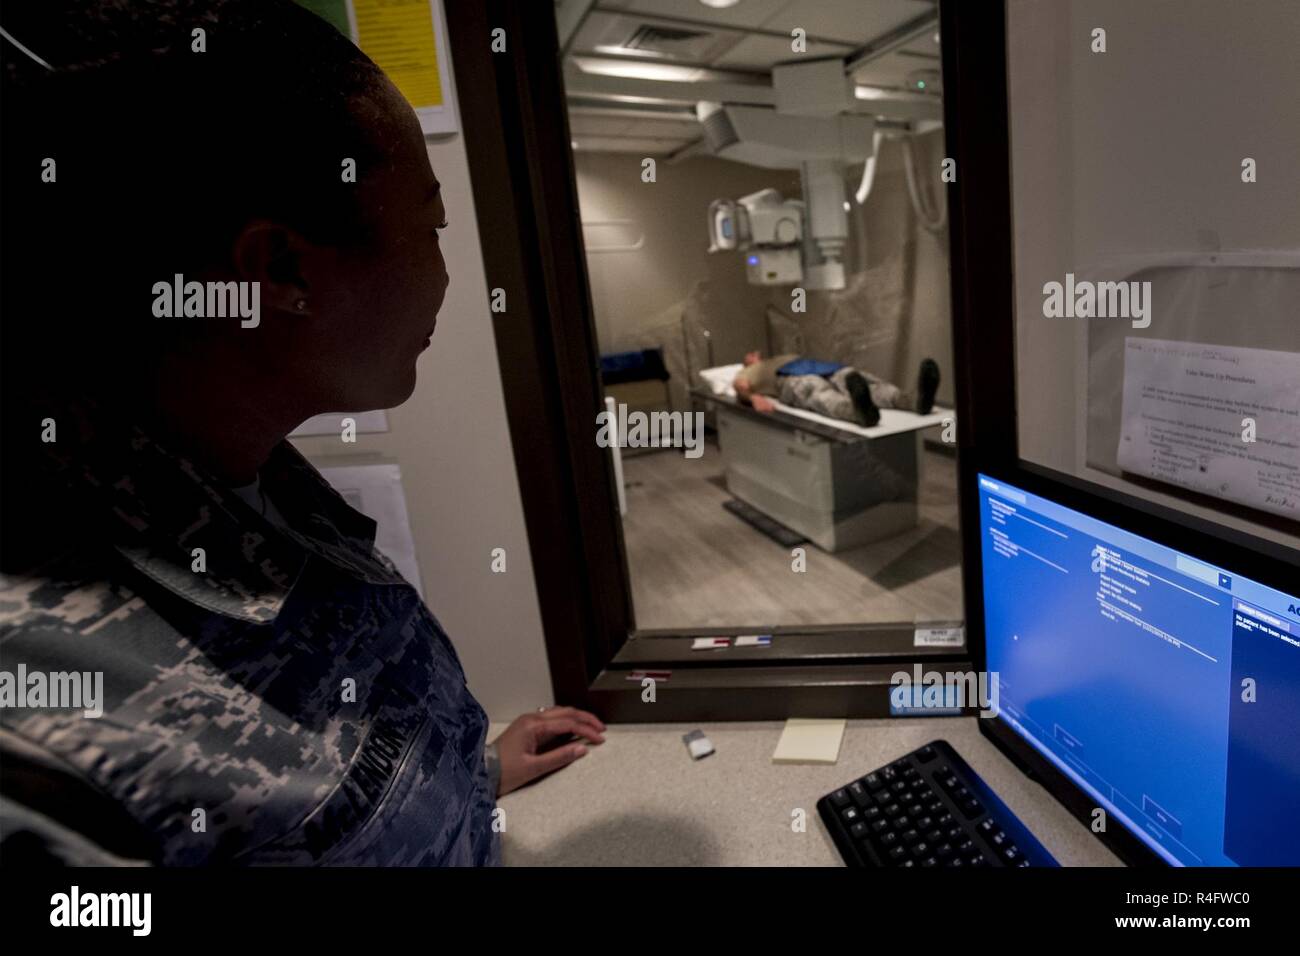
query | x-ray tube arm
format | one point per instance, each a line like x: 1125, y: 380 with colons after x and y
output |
x: 827, y: 224
x: 869, y: 169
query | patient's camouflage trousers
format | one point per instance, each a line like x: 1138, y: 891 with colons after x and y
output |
x: 829, y: 396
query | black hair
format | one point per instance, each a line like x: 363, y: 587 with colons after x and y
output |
x: 163, y: 152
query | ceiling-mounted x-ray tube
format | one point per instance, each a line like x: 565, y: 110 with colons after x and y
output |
x: 827, y: 223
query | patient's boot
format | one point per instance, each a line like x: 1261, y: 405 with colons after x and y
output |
x: 927, y: 383
x: 860, y: 392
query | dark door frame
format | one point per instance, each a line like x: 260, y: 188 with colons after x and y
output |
x: 515, y: 125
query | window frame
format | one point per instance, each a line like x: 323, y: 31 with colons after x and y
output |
x: 515, y: 124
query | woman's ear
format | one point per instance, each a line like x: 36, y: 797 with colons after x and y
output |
x: 274, y: 255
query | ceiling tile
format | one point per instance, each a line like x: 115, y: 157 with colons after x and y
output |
x: 746, y: 13
x: 850, y: 21
x: 758, y: 52
x: 599, y: 125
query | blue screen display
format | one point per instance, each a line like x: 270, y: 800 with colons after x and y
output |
x: 1167, y: 688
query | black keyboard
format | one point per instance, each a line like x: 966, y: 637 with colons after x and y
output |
x: 927, y: 809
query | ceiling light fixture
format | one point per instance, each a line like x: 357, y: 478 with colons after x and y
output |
x: 719, y: 4
x: 638, y: 71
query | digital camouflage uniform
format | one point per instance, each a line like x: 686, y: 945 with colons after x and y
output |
x: 226, y: 689
x: 829, y: 395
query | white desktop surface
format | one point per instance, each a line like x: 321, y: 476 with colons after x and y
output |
x: 640, y: 800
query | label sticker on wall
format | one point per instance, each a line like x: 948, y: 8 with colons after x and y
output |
x: 939, y: 637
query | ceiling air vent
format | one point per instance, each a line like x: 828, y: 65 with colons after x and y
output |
x: 670, y: 41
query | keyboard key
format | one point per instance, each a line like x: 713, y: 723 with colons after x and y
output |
x: 897, y: 854
x: 976, y: 859
x: 972, y: 808
x: 987, y: 826
x: 926, y: 754
x: 850, y: 815
x: 920, y: 849
x: 879, y: 826
x: 893, y: 810
x: 955, y: 861
x: 903, y: 823
x: 840, y: 798
x: 871, y: 812
x: 929, y: 861
x: 916, y: 810
x: 873, y: 781
x: 887, y: 838
x: 1011, y: 853
x: 945, y: 819
x: 859, y: 831
x: 934, y: 836
x: 925, y: 823
x: 910, y: 837
x: 943, y: 851
x: 889, y: 775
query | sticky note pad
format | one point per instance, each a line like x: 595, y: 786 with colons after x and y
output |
x: 806, y: 740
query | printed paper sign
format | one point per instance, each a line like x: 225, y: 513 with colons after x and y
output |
x: 1214, y: 419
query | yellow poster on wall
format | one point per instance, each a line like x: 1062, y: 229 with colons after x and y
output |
x: 407, y: 40
x: 399, y: 36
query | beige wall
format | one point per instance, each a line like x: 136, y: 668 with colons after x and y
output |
x: 894, y: 312
x: 458, y: 470
x: 639, y: 295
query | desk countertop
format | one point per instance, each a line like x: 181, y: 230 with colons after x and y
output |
x: 638, y: 799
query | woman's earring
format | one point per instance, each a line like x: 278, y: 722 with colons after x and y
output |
x: 301, y: 305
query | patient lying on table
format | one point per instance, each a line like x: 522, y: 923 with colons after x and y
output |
x: 829, y: 388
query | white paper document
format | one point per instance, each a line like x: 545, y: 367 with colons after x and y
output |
x: 376, y: 491
x: 1191, y: 411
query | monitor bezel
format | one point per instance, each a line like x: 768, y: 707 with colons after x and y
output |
x: 1137, y: 517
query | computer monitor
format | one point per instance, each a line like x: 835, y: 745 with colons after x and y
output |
x: 1161, y: 685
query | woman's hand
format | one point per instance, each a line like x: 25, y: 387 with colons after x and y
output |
x: 518, y: 745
